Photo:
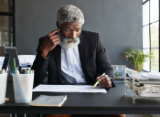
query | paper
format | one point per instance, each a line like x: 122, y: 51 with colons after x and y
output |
x: 150, y: 94
x: 69, y: 88
x: 149, y: 76
x: 154, y: 76
x: 25, y: 60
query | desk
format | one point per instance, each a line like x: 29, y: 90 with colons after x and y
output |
x: 114, y: 102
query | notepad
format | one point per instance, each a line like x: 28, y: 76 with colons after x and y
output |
x: 44, y: 100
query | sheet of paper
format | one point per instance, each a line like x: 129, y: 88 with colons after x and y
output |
x: 150, y: 94
x: 69, y: 88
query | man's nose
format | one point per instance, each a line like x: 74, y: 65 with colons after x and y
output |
x: 73, y: 35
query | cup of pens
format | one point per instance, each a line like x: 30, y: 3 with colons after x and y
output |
x: 23, y: 85
x: 3, y: 84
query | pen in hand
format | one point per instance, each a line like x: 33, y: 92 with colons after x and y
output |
x: 98, y: 81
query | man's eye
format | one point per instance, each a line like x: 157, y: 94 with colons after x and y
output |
x: 67, y: 29
x: 77, y: 30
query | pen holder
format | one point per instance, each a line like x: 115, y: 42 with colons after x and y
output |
x: 23, y: 85
x: 3, y: 84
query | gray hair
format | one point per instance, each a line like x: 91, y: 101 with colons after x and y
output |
x: 69, y: 13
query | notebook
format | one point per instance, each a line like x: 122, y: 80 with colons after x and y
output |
x: 44, y: 100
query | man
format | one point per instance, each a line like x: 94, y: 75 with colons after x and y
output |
x: 72, y: 55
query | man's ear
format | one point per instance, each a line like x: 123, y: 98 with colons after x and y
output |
x: 57, y: 24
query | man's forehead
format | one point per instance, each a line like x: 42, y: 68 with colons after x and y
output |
x: 73, y: 24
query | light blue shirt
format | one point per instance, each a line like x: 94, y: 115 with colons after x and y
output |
x: 71, y: 67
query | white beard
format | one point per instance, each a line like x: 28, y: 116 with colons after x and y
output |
x: 66, y: 42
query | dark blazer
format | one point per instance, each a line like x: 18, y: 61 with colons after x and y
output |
x: 93, y: 58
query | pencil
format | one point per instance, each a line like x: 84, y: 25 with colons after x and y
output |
x: 98, y: 81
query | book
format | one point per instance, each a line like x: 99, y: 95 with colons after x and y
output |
x: 44, y: 100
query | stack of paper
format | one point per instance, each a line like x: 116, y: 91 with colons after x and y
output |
x: 149, y: 90
x: 149, y: 77
x: 154, y: 76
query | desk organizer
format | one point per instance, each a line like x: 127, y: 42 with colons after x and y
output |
x: 140, y: 86
x: 3, y: 84
x: 23, y: 85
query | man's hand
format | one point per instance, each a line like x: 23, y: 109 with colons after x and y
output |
x: 105, y: 82
x: 50, y: 42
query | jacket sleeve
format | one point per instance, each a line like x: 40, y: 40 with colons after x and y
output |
x: 102, y: 60
x: 40, y: 65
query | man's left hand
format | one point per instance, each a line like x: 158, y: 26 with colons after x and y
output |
x: 105, y: 82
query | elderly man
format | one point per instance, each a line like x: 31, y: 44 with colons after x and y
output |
x: 72, y: 55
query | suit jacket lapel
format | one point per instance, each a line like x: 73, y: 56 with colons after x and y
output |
x: 81, y: 48
x: 58, y: 58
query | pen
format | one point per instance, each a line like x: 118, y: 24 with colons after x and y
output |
x: 98, y: 81
x: 15, y: 69
x: 30, y: 72
x: 23, y: 71
x: 26, y: 71
x: 20, y: 69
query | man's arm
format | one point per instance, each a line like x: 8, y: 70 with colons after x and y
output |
x: 40, y: 64
x: 104, y: 65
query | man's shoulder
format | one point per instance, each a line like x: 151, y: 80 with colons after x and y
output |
x: 89, y: 33
x: 88, y: 36
x: 41, y: 39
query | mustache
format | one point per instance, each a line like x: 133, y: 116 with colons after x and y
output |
x: 68, y: 40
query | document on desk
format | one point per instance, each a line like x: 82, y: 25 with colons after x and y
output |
x: 69, y: 88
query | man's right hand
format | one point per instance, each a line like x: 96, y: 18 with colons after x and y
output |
x: 50, y: 42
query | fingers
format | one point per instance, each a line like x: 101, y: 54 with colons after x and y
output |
x: 105, y: 82
x: 54, y: 38
x: 104, y: 78
x: 97, y: 78
x: 53, y: 32
x: 55, y: 42
x: 108, y: 86
x: 50, y: 42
